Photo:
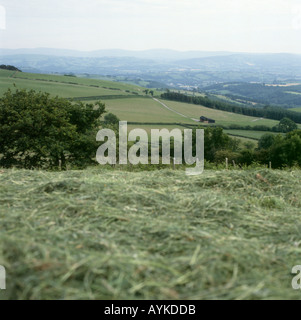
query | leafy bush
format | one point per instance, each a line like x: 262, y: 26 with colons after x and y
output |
x: 266, y: 141
x: 281, y: 151
x: 38, y: 131
x: 221, y: 155
x: 110, y: 118
x: 287, y: 125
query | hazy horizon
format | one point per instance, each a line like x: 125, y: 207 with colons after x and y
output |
x: 239, y: 26
x: 150, y: 49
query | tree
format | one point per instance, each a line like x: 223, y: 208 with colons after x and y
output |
x: 246, y: 157
x: 287, y: 125
x: 11, y: 68
x: 249, y: 145
x: 221, y: 155
x: 110, y: 118
x: 37, y: 131
x: 215, y: 140
x: 285, y: 151
x: 275, y: 113
x: 234, y: 144
x: 266, y: 141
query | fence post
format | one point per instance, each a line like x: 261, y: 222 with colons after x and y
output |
x: 227, y: 163
x: 174, y: 163
x: 234, y: 165
x: 270, y: 165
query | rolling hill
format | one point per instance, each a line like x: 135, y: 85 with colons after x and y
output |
x: 297, y: 109
x: 65, y: 86
x: 170, y: 68
x: 127, y: 101
x: 286, y: 95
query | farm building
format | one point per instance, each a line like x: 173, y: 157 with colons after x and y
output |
x: 206, y: 120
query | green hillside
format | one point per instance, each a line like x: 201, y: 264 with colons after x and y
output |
x: 102, y: 234
x: 143, y: 110
x: 221, y: 117
x: 64, y: 86
x: 127, y: 101
x: 296, y: 109
x: 256, y: 135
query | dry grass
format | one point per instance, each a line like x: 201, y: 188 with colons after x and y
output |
x: 104, y: 234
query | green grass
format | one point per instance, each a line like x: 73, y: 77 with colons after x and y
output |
x: 143, y: 110
x: 66, y: 87
x: 148, y: 127
x: 129, y: 109
x: 296, y: 109
x: 78, y: 80
x: 104, y: 234
x: 6, y: 73
x: 292, y: 92
x: 120, y: 100
x: 221, y: 117
x: 256, y: 135
x: 241, y: 102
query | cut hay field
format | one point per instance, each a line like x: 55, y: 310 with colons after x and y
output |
x: 296, y: 109
x: 221, y: 117
x: 128, y: 102
x: 149, y: 127
x: 143, y: 110
x: 104, y: 234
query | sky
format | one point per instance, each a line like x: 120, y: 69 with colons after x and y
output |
x: 206, y: 25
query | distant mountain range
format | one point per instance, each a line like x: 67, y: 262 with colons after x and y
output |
x: 168, y: 67
x: 154, y: 54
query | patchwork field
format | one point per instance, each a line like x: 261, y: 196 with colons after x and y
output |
x: 129, y: 102
x: 103, y: 234
x: 221, y: 117
x: 143, y: 110
x: 66, y: 87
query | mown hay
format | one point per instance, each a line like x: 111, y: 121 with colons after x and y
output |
x: 104, y: 234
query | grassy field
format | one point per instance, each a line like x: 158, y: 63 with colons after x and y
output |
x: 128, y: 102
x: 143, y: 110
x: 221, y: 117
x: 256, y: 135
x: 292, y: 92
x: 104, y: 234
x: 296, y: 109
x: 149, y: 127
x: 78, y: 80
x: 66, y: 87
